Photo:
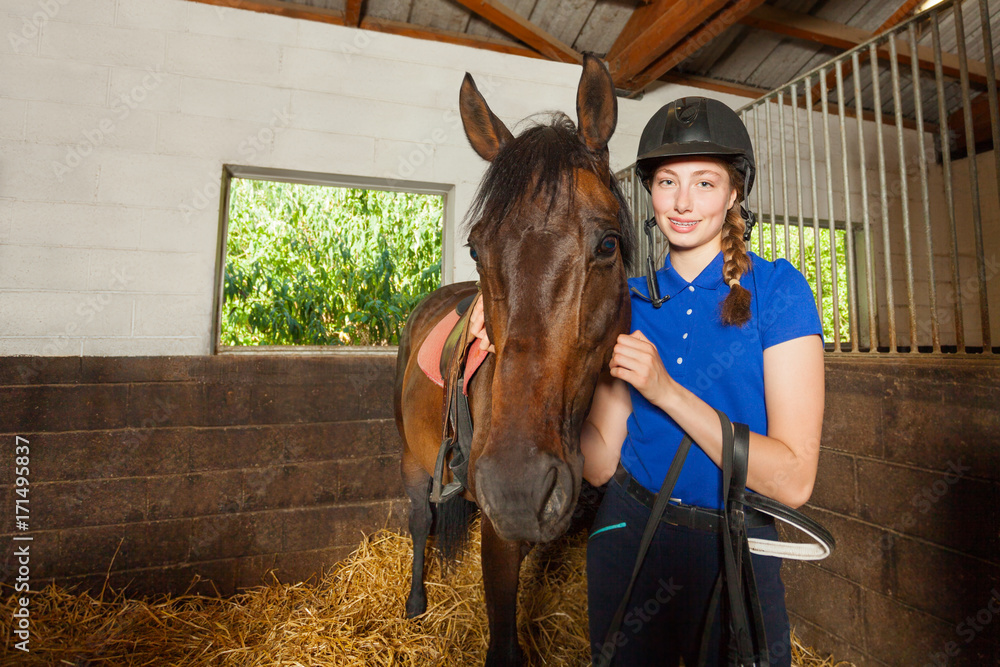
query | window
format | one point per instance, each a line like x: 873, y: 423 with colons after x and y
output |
x: 311, y: 264
x: 804, y: 256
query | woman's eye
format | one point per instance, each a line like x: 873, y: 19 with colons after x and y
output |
x: 609, y: 244
x: 706, y: 184
x: 473, y: 254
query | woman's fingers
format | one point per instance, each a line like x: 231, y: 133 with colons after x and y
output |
x: 636, y: 360
x: 477, y: 323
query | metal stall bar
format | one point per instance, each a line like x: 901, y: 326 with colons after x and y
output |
x: 852, y: 301
x: 784, y: 171
x: 970, y: 145
x: 904, y: 198
x: 869, y: 257
x: 949, y: 195
x: 829, y: 210
x: 798, y: 179
x: 883, y: 198
x: 760, y: 185
x: 770, y: 178
x: 815, y: 196
x: 991, y: 91
x: 918, y: 103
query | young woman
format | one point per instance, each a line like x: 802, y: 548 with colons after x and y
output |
x: 731, y: 332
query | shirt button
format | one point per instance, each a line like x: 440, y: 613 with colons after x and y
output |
x: 680, y: 360
x: 689, y: 311
x: 691, y: 287
x: 684, y: 336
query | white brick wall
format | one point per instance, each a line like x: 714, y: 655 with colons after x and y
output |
x: 116, y: 117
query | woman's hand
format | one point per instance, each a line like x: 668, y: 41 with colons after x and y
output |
x: 477, y: 324
x: 636, y: 361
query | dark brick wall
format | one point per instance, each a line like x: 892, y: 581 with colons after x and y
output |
x: 909, y: 484
x: 158, y: 469
x: 225, y: 467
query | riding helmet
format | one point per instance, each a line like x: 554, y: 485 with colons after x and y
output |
x: 696, y: 126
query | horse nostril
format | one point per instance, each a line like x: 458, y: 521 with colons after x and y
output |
x: 553, y: 496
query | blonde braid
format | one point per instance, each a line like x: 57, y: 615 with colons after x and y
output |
x: 736, y: 306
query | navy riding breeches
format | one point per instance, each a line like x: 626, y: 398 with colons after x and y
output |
x: 666, y: 614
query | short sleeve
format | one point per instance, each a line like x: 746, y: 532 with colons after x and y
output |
x: 788, y: 307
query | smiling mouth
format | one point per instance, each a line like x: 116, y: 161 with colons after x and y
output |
x: 684, y: 223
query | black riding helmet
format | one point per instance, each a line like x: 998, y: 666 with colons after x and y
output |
x: 694, y: 126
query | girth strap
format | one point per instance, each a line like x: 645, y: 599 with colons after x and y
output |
x: 456, y: 439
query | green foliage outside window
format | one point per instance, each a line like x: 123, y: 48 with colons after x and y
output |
x: 318, y: 265
x: 792, y: 255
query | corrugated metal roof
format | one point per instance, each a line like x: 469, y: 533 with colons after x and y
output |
x: 740, y: 54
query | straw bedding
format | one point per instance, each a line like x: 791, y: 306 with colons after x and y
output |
x: 352, y: 616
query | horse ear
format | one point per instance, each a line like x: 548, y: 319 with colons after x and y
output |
x: 485, y: 131
x: 596, y: 105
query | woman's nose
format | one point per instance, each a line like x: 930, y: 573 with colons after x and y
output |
x: 682, y: 202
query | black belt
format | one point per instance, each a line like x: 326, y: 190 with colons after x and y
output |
x: 691, y: 516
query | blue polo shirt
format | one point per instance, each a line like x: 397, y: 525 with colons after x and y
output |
x: 723, y: 365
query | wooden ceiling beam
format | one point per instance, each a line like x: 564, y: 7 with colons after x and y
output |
x: 904, y: 12
x: 654, y: 29
x: 981, y: 127
x: 806, y: 27
x: 898, y: 16
x: 352, y: 13
x: 521, y: 28
x: 338, y: 17
x: 803, y: 26
x: 741, y: 90
x: 716, y: 85
x: 710, y: 30
x: 447, y: 36
x: 282, y: 8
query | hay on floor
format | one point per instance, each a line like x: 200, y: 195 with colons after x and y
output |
x: 352, y: 616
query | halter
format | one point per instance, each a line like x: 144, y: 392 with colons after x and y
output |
x: 651, y: 285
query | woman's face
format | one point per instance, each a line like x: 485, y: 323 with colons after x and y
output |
x: 690, y: 199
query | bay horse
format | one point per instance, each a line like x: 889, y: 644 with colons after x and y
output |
x: 552, y: 237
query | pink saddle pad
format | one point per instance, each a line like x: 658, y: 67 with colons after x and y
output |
x: 429, y: 355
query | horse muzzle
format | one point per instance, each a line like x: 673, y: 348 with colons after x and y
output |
x: 528, y: 496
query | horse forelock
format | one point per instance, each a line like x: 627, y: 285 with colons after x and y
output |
x: 535, y: 166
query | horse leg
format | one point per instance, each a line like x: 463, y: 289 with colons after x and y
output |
x: 418, y: 487
x: 501, y: 565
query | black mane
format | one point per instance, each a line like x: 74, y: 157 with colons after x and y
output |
x: 533, y: 165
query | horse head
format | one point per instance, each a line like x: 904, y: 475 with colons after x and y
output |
x: 552, y: 237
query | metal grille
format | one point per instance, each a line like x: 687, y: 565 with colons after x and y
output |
x: 878, y: 179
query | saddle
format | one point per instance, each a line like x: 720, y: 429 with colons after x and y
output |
x: 448, y: 358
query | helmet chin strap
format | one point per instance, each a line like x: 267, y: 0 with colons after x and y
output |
x: 651, y: 284
x: 750, y: 219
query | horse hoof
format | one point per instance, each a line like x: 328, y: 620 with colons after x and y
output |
x: 415, y: 607
x: 497, y: 658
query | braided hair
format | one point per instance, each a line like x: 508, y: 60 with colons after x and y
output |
x: 735, y: 310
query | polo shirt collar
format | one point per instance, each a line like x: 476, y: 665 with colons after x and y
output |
x: 671, y: 282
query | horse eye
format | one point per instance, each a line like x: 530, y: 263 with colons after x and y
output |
x: 609, y: 244
x: 474, y: 254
